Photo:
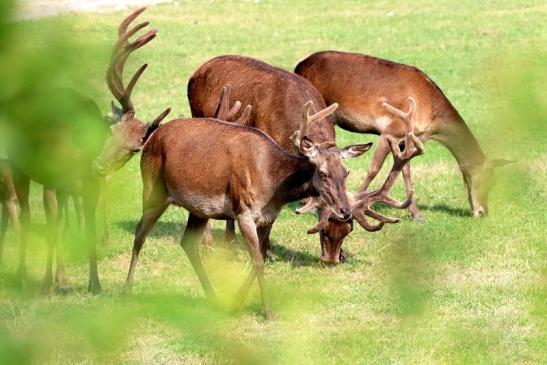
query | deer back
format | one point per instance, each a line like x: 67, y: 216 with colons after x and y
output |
x: 361, y: 83
x: 276, y: 96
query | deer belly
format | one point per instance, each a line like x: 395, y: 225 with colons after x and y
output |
x: 203, y: 205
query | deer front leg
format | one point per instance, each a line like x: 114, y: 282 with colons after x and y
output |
x: 91, y: 196
x: 412, y: 208
x: 21, y: 186
x: 248, y: 229
x: 264, y: 240
x: 190, y: 244
x: 60, y: 273
x: 382, y: 150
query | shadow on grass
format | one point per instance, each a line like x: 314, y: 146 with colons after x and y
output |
x: 443, y: 208
x: 296, y: 258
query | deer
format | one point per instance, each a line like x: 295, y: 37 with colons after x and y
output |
x: 251, y: 179
x: 35, y: 154
x: 359, y: 84
x: 276, y: 97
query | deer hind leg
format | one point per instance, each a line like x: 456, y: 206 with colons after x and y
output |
x: 190, y: 244
x: 249, y: 231
x: 382, y: 151
x: 413, y: 208
x: 149, y: 218
x: 21, y: 185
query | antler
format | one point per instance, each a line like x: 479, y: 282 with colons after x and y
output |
x: 224, y: 112
x: 121, y: 51
x: 308, y: 120
x: 413, y: 147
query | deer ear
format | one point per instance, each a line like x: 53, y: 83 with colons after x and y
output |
x: 355, y: 150
x: 307, y: 147
x: 498, y: 163
x: 155, y: 124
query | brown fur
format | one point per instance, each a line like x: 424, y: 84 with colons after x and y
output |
x: 360, y: 83
x: 277, y: 98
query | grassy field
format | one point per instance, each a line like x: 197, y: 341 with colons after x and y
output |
x: 448, y: 290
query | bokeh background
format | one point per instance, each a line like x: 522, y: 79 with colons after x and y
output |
x: 450, y: 289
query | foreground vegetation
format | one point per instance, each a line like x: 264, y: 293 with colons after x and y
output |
x: 450, y: 289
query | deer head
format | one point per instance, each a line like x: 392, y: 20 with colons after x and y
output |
x: 333, y: 230
x: 329, y: 178
x: 128, y: 134
x: 479, y: 184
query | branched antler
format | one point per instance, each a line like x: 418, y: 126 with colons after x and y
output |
x: 308, y: 120
x: 121, y: 51
x: 224, y: 112
x: 412, y: 148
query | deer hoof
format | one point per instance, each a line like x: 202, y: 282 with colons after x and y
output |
x: 94, y: 287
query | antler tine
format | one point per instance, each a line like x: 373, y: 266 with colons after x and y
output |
x: 120, y: 52
x: 318, y: 116
x: 224, y: 112
x: 242, y: 120
x: 222, y: 105
x: 413, y: 147
x: 129, y: 19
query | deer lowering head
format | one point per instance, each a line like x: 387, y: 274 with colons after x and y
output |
x: 128, y: 134
x: 361, y: 203
x: 329, y: 178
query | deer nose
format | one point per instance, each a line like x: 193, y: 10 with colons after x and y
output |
x: 345, y: 213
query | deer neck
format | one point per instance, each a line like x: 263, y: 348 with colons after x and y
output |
x: 296, y: 176
x: 464, y: 147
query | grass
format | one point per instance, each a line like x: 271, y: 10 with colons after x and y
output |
x: 449, y: 290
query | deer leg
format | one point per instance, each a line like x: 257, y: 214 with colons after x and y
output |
x: 230, y: 234
x: 413, y: 208
x: 382, y: 151
x: 52, y: 220
x: 3, y: 228
x: 60, y: 273
x: 149, y: 217
x: 264, y: 240
x: 90, y: 197
x: 248, y: 229
x: 103, y: 210
x: 190, y: 244
x: 21, y: 186
x: 207, y: 238
x: 79, y: 212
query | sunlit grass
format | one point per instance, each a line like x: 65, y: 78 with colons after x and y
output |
x: 450, y: 289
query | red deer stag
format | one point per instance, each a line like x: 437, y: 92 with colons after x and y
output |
x: 276, y: 97
x: 360, y: 83
x: 62, y: 156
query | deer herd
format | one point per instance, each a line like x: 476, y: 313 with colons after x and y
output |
x: 230, y: 164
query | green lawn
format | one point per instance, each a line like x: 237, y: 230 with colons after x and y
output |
x: 450, y: 289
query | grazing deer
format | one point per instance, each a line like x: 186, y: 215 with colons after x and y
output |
x: 360, y: 83
x: 276, y: 97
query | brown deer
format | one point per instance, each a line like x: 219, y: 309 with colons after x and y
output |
x: 361, y: 83
x: 62, y: 157
x: 276, y: 97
